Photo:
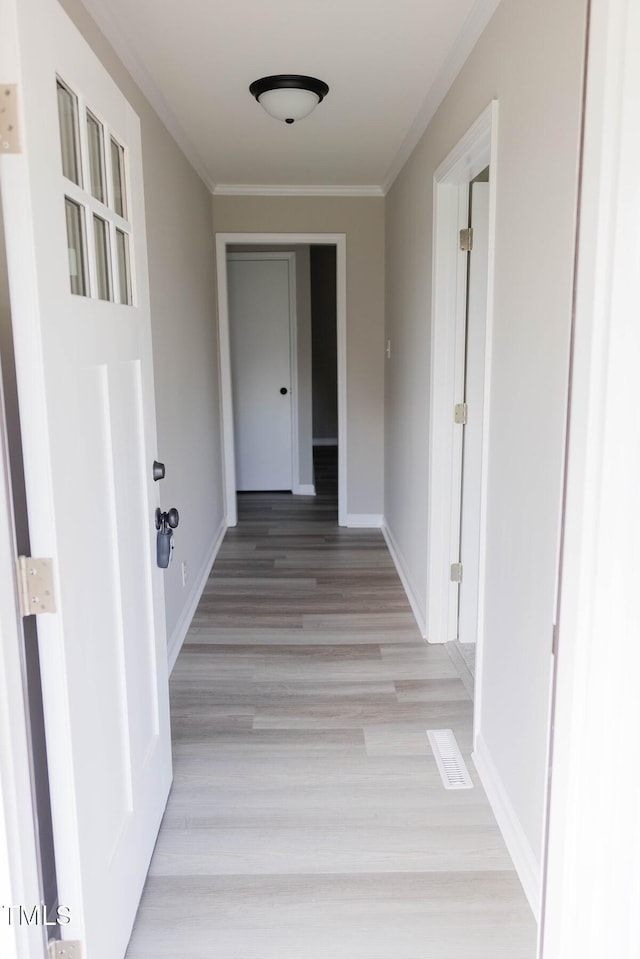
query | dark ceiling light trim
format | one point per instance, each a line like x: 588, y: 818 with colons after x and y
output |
x: 289, y: 96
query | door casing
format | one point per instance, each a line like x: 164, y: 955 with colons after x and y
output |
x: 474, y: 152
x: 223, y: 240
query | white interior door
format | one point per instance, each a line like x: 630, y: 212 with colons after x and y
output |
x: 76, y: 250
x: 260, y: 322
x: 474, y: 398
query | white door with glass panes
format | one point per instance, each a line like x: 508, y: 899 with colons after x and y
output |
x: 76, y: 248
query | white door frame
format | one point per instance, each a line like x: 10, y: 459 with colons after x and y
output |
x: 223, y: 240
x: 593, y: 852
x: 290, y: 257
x: 475, y: 151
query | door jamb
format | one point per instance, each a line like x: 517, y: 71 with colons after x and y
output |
x: 290, y: 257
x: 223, y: 240
x: 591, y: 865
x: 476, y: 150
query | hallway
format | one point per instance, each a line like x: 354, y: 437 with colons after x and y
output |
x: 307, y: 818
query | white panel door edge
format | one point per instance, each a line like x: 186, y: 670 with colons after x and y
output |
x: 85, y: 385
x: 19, y: 862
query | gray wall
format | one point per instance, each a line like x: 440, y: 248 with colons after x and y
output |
x: 324, y: 344
x: 362, y: 220
x: 183, y: 311
x: 530, y: 57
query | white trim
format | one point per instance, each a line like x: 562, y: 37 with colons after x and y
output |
x: 326, y: 441
x: 405, y: 578
x: 593, y: 859
x: 117, y: 37
x: 476, y: 150
x: 181, y: 628
x: 364, y: 520
x: 271, y: 189
x: 476, y: 22
x: 293, y: 362
x: 304, y: 489
x: 223, y: 240
x: 522, y: 855
x: 226, y: 392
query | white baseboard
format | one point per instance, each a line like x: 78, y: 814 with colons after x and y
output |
x: 405, y: 579
x: 304, y: 489
x: 516, y: 842
x: 326, y: 441
x: 179, y: 633
x: 364, y: 520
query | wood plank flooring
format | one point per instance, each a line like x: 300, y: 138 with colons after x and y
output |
x: 307, y: 819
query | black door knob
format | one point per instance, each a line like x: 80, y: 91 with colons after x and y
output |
x: 170, y: 518
x: 284, y: 390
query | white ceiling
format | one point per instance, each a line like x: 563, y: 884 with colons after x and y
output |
x: 387, y: 62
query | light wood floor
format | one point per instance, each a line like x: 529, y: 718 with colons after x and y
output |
x: 307, y: 819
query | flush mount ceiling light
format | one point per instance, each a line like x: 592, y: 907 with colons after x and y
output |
x: 288, y: 96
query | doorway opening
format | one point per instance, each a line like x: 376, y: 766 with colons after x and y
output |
x: 459, y: 414
x: 476, y: 241
x: 312, y: 430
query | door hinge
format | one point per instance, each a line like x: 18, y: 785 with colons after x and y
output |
x: 65, y: 949
x: 466, y: 240
x: 456, y: 572
x: 460, y: 414
x: 554, y: 641
x: 9, y: 130
x: 35, y: 585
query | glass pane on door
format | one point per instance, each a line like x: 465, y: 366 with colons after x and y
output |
x: 95, y: 139
x: 103, y: 258
x: 117, y: 172
x: 76, y: 247
x: 124, y: 268
x: 69, y: 140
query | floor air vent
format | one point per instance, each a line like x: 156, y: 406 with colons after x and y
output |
x: 455, y: 774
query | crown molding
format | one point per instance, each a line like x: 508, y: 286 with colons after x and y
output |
x: 477, y: 20
x: 475, y: 23
x: 115, y: 34
x: 266, y: 189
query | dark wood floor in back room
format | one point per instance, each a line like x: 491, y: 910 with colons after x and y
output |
x: 307, y: 818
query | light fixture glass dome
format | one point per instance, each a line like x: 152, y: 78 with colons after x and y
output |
x: 289, y: 96
x: 288, y: 105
